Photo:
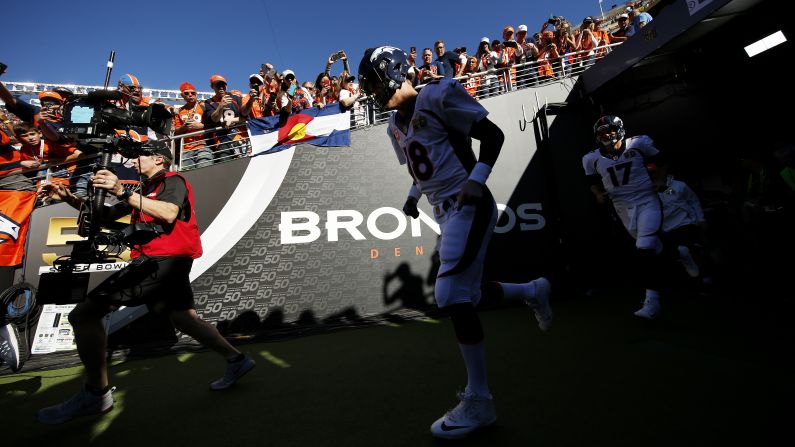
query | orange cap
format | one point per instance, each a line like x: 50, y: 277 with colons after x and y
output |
x: 186, y: 86
x: 50, y: 94
x: 217, y: 78
x: 548, y: 34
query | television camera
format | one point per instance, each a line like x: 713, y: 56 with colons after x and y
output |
x: 95, y: 117
x: 94, y: 120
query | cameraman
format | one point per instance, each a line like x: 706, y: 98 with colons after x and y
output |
x: 156, y: 277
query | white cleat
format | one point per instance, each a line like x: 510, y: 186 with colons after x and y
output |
x: 650, y: 309
x: 540, y: 304
x: 687, y: 261
x: 471, y: 413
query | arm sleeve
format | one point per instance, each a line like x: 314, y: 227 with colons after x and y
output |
x: 395, y: 145
x: 208, y: 110
x: 414, y: 191
x: 589, y: 166
x: 645, y: 145
x: 459, y: 109
x: 491, y: 139
x: 175, y: 192
x: 24, y: 111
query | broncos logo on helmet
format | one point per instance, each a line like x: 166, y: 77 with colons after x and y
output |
x: 609, y: 130
x: 382, y: 71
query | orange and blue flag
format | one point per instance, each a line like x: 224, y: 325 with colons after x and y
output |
x: 15, y: 210
x: 329, y: 126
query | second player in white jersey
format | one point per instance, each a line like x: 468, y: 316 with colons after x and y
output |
x: 623, y: 172
x: 617, y: 170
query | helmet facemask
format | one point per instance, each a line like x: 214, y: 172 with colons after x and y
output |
x: 609, y: 130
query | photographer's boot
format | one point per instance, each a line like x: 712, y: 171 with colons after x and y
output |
x: 84, y: 403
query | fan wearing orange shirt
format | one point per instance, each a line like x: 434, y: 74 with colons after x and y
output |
x: 188, y: 119
x: 35, y: 151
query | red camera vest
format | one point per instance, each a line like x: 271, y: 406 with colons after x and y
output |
x: 179, y: 239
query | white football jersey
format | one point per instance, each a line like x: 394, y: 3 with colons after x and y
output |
x: 624, y: 176
x: 437, y: 144
x: 680, y: 206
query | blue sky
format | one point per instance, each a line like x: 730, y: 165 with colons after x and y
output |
x: 166, y: 43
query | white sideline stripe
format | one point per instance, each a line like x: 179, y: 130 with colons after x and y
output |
x: 254, y: 192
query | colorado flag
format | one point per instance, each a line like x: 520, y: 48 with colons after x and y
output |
x: 329, y: 126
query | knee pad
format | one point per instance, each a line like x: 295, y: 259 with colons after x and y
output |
x: 451, y: 290
x: 649, y: 242
x: 466, y: 323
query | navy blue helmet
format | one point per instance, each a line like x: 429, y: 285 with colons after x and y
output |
x: 382, y: 72
x: 604, y: 128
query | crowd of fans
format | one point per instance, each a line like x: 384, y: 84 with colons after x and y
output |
x: 213, y: 130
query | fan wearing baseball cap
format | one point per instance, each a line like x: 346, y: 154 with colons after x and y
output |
x: 52, y: 104
x: 513, y: 50
x: 188, y: 119
x: 529, y: 53
x: 224, y: 109
x: 291, y: 99
x: 132, y: 92
x: 620, y: 34
x: 252, y: 101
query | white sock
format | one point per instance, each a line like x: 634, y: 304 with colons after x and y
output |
x: 653, y: 296
x: 475, y: 361
x: 516, y: 292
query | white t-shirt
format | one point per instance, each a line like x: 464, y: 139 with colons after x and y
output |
x: 680, y: 206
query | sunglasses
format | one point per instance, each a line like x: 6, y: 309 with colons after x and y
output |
x: 188, y: 93
x: 134, y: 88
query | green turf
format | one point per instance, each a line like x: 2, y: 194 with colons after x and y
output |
x: 600, y: 377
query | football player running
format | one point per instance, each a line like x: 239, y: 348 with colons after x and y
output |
x: 617, y: 171
x: 432, y: 132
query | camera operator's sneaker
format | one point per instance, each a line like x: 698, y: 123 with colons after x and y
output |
x: 84, y: 403
x: 471, y: 413
x: 687, y: 261
x: 650, y: 309
x: 540, y: 304
x: 9, y: 346
x: 234, y: 371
